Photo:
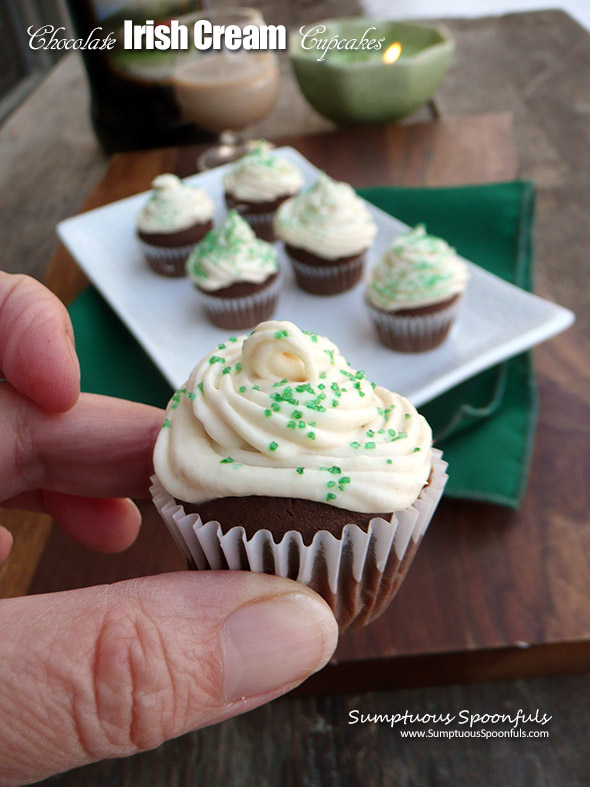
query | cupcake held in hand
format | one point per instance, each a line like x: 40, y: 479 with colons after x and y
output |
x: 236, y: 275
x: 276, y: 456
x: 257, y: 184
x: 173, y: 220
x: 414, y: 291
x: 327, y: 231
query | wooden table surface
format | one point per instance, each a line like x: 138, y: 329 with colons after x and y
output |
x: 538, y: 67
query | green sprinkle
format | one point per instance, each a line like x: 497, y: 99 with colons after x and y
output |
x: 321, y: 386
x: 380, y: 410
x: 268, y: 413
x: 273, y: 446
x: 221, y: 346
x: 233, y: 338
x: 200, y: 387
x: 355, y: 444
x: 344, y: 480
x: 381, y: 431
x: 331, y: 484
x: 330, y: 496
x: 300, y: 470
x: 311, y: 435
x: 216, y: 359
x: 276, y: 407
x: 296, y: 414
x: 166, y: 423
x: 415, y: 449
x: 255, y: 387
x: 238, y: 367
x: 330, y: 353
x: 280, y: 382
x: 407, y: 415
x: 390, y: 461
x: 292, y: 425
x: 369, y: 445
x: 301, y: 424
x: 323, y: 376
x: 227, y: 370
x: 242, y: 388
x: 335, y: 402
x: 191, y: 395
x: 227, y: 461
x: 312, y: 423
x: 370, y: 433
x: 281, y: 334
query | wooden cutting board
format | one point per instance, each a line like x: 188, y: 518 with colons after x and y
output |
x: 492, y: 593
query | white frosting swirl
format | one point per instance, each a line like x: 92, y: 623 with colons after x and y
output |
x: 328, y: 220
x: 231, y: 253
x: 261, y: 176
x: 280, y: 413
x: 417, y: 270
x: 174, y: 206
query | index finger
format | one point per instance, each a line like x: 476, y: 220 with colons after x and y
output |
x: 37, y: 354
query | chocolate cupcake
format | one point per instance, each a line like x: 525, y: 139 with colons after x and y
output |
x: 236, y: 275
x: 257, y: 184
x: 276, y: 456
x: 327, y: 231
x: 173, y: 220
x: 414, y: 292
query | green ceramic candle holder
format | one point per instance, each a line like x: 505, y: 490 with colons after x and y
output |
x: 355, y: 86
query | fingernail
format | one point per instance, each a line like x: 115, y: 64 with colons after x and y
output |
x: 271, y: 644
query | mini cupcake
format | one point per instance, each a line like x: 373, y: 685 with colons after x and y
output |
x: 236, y: 275
x: 327, y: 231
x: 277, y: 457
x: 414, y: 292
x: 175, y: 218
x: 257, y: 184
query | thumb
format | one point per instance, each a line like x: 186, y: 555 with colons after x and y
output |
x: 112, y: 670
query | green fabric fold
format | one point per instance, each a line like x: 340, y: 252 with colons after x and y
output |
x: 485, y: 426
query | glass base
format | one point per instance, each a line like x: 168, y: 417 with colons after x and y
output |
x: 231, y: 147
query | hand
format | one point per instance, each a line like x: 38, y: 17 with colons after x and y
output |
x: 111, y: 670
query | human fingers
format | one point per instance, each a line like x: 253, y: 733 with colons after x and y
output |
x: 37, y: 354
x: 113, y: 670
x: 102, y: 447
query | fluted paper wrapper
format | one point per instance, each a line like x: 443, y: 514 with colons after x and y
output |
x: 358, y: 574
x: 414, y: 333
x: 328, y: 279
x: 167, y: 261
x: 243, y: 312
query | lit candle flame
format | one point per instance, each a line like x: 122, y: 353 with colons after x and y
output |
x: 392, y: 52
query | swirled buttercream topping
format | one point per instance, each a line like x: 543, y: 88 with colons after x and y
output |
x: 328, y: 220
x: 281, y: 413
x: 174, y: 206
x: 231, y: 253
x: 262, y: 176
x: 417, y: 270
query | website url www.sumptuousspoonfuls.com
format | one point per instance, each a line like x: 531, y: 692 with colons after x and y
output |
x: 489, y: 725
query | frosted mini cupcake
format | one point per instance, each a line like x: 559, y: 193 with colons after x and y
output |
x: 235, y: 274
x: 257, y: 184
x: 276, y: 456
x: 327, y: 231
x: 173, y: 220
x: 414, y: 291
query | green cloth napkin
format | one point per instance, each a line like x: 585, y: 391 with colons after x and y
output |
x: 485, y: 426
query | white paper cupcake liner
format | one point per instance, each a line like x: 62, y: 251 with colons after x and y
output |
x: 168, y: 261
x: 328, y: 279
x: 248, y: 310
x: 357, y: 574
x: 414, y: 333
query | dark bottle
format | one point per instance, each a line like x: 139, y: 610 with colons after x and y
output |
x: 132, y: 100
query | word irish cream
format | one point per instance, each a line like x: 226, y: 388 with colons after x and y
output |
x: 205, y: 36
